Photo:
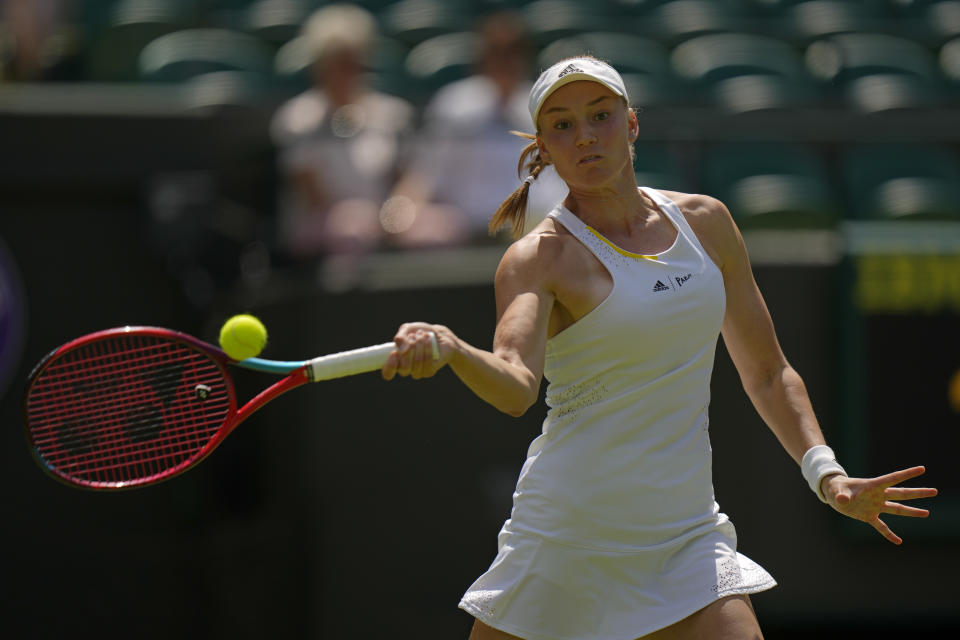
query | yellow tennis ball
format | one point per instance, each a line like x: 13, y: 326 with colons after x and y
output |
x: 243, y: 336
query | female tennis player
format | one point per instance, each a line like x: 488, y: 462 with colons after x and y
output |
x: 618, y: 298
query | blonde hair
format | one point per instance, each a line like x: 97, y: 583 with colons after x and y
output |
x: 513, y: 211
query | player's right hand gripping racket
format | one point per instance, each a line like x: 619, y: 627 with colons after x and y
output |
x: 133, y: 406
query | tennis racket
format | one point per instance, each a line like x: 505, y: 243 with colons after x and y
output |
x: 133, y: 406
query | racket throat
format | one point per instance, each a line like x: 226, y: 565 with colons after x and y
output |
x: 292, y: 381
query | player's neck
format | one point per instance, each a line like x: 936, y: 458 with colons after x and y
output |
x: 617, y: 205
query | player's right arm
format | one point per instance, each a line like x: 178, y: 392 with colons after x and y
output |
x: 508, y: 377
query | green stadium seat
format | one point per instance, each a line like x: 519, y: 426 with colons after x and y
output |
x: 482, y: 7
x: 228, y: 90
x: 743, y: 72
x: 626, y: 53
x: 840, y: 58
x: 949, y: 61
x: 652, y: 92
x: 550, y: 20
x: 908, y: 8
x: 842, y: 63
x: 414, y: 21
x: 229, y: 5
x: 764, y: 9
x: 881, y: 92
x: 276, y: 21
x: 291, y: 64
x: 128, y: 26
x: 943, y: 19
x: 781, y: 8
x: 769, y: 185
x: 179, y: 56
x: 918, y: 199
x: 816, y: 19
x: 756, y: 92
x: 441, y: 60
x: 902, y: 181
x: 710, y: 58
x: 680, y: 20
x: 370, y: 5
x: 632, y: 8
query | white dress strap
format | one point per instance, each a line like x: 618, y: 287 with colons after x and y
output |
x: 673, y: 212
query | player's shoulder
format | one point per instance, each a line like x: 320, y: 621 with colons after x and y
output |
x: 538, y: 253
x: 703, y: 212
x: 711, y: 222
x: 697, y: 206
x: 542, y: 244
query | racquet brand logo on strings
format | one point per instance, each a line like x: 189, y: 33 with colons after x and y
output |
x: 133, y: 405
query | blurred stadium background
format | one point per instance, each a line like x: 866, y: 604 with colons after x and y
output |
x: 138, y: 185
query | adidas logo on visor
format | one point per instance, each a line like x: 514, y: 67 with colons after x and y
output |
x: 570, y: 68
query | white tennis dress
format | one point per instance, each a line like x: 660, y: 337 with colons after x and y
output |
x: 615, y: 531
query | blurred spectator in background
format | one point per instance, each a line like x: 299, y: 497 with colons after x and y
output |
x: 466, y: 159
x: 37, y: 40
x: 339, y: 142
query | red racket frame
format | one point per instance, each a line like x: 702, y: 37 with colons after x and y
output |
x: 232, y: 418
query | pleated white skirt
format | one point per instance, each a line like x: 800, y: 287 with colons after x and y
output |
x: 543, y: 589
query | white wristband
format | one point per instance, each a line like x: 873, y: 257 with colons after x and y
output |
x: 817, y: 463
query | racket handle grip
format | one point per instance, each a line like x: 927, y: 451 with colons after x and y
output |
x: 348, y: 363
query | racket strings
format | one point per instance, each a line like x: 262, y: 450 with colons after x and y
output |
x: 125, y: 441
x: 94, y: 387
x: 126, y: 407
x: 119, y: 384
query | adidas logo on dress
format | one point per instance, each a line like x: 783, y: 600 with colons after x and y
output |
x: 660, y: 287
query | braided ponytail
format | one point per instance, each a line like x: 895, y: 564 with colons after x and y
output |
x: 513, y: 211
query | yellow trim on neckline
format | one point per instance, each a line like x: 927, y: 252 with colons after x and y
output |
x: 623, y: 252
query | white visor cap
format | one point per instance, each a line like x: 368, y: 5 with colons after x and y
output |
x: 571, y: 70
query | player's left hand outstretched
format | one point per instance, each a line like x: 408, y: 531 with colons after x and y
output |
x: 866, y: 499
x: 422, y: 350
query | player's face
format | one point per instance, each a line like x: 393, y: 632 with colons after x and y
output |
x: 586, y: 131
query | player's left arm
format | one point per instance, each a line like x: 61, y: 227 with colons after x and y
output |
x: 774, y: 387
